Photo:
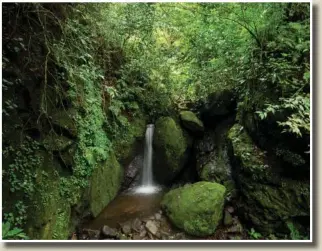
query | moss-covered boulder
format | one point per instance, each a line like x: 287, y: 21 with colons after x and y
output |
x: 270, y: 197
x: 170, y: 149
x: 105, y: 183
x: 191, y: 122
x: 197, y: 208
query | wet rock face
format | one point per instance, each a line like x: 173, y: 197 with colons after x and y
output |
x: 132, y: 172
x: 212, y: 160
x: 213, y: 163
x: 269, y: 198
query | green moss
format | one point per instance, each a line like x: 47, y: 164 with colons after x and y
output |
x: 271, y: 198
x: 66, y: 120
x: 196, y: 208
x: 191, y: 121
x: 249, y: 155
x: 105, y: 183
x: 124, y: 147
x: 55, y: 142
x: 45, y: 201
x: 216, y: 169
x: 170, y: 142
x: 62, y: 224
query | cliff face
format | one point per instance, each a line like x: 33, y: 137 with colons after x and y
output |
x: 57, y: 158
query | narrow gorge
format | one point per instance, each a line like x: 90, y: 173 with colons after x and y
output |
x: 156, y: 121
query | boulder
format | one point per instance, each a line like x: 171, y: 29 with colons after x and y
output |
x: 270, y: 197
x: 105, y: 183
x: 170, y: 150
x: 196, y: 208
x: 228, y: 220
x: 151, y: 227
x: 126, y: 228
x: 191, y: 122
x: 108, y: 231
x: 136, y: 225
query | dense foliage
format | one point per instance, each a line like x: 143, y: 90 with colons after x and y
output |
x: 114, y: 62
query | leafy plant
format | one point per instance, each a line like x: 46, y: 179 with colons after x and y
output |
x: 294, y: 232
x: 14, y: 233
x: 298, y: 122
x: 254, y: 235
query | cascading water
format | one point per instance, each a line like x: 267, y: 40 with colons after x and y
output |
x: 147, y: 179
x: 147, y: 185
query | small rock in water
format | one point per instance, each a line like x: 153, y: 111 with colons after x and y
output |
x: 123, y: 237
x: 157, y: 216
x: 238, y: 228
x: 228, y: 220
x: 74, y: 236
x: 136, y: 225
x: 235, y: 237
x: 151, y: 227
x: 143, y: 233
x: 150, y: 236
x: 230, y: 209
x: 136, y: 236
x: 126, y: 228
x: 108, y: 231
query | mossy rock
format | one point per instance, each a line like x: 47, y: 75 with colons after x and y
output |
x: 126, y: 148
x: 215, y: 170
x: 62, y: 225
x: 170, y: 148
x: 65, y: 119
x: 56, y: 142
x: 105, y: 183
x: 191, y: 122
x: 45, y: 202
x: 270, y: 199
x: 197, y: 208
x: 250, y: 158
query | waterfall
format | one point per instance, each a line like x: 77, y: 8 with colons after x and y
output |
x: 147, y: 185
x: 147, y: 178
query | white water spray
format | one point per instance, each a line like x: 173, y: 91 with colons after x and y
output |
x: 147, y: 185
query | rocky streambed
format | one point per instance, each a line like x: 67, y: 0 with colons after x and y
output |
x: 158, y: 227
x: 141, y: 217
